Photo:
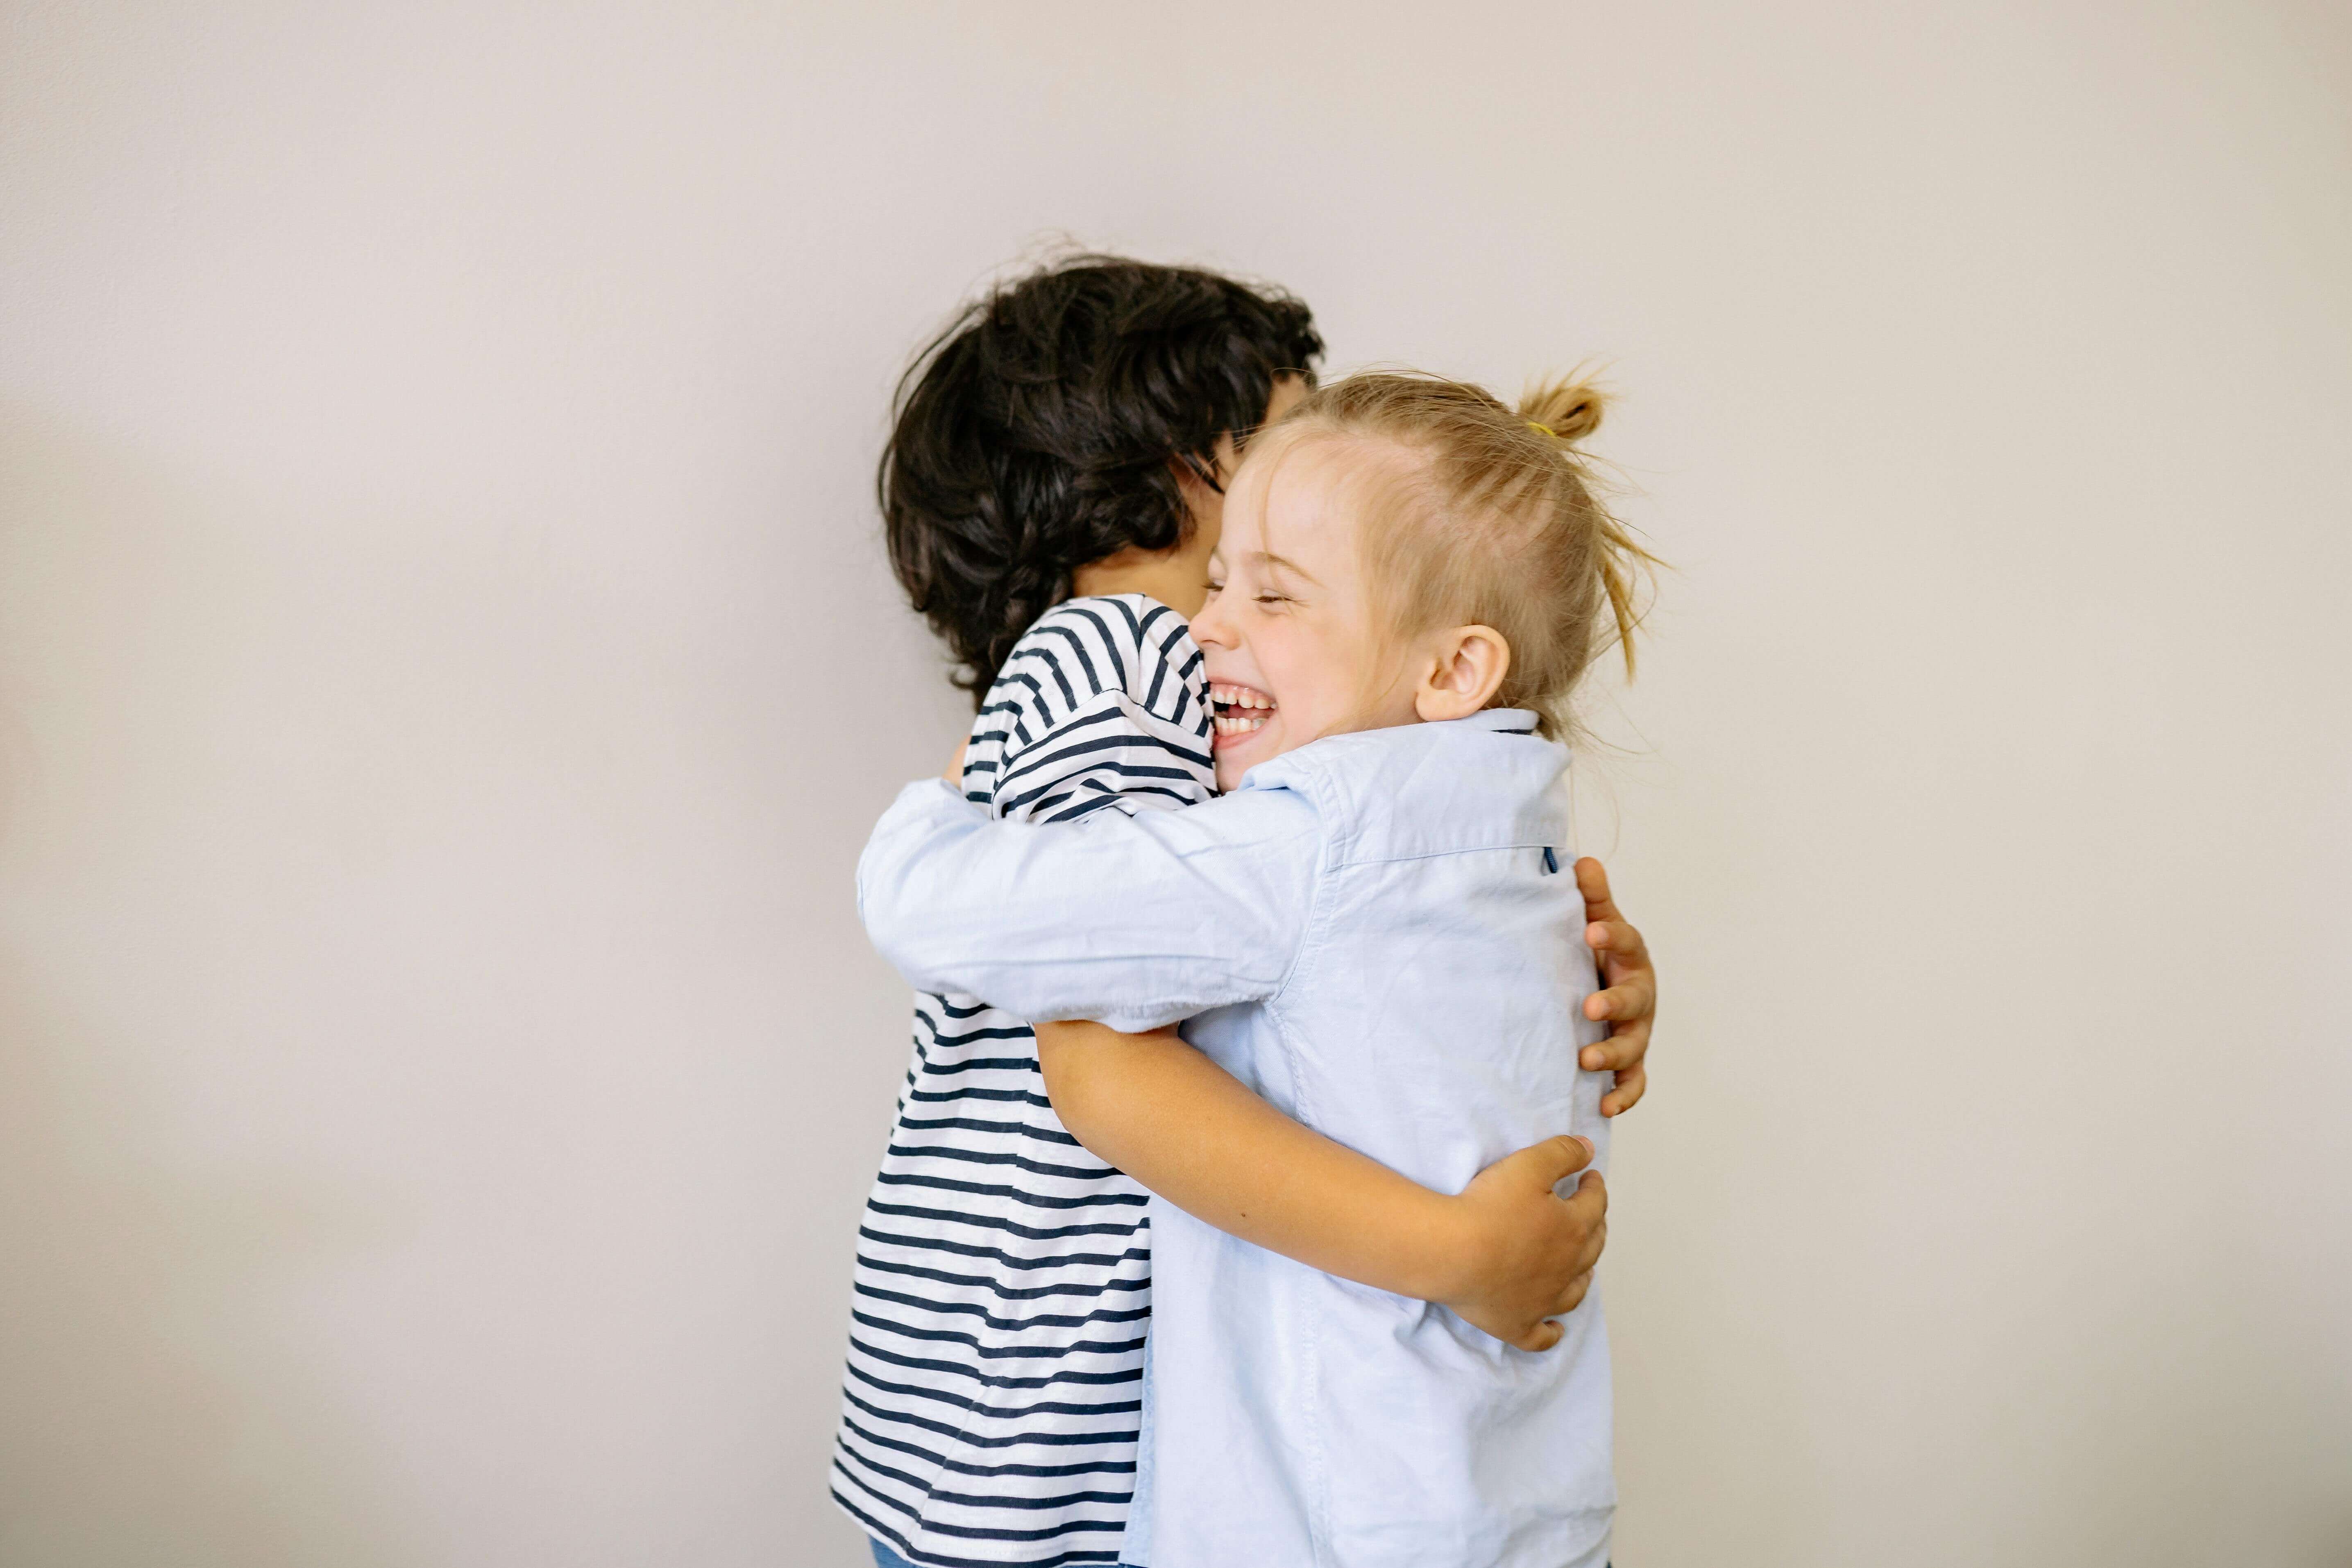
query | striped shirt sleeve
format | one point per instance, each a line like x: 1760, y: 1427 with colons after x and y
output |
x: 1101, y: 706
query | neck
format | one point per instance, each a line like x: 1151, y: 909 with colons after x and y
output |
x: 1174, y: 577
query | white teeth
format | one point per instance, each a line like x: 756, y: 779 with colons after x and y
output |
x: 1239, y: 697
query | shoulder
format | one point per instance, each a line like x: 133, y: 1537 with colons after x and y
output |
x: 1121, y: 651
x: 1115, y: 642
x: 1100, y: 704
x: 1484, y: 781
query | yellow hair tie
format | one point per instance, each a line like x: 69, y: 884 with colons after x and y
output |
x: 1545, y: 429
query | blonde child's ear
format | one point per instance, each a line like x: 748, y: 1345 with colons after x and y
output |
x: 1464, y: 671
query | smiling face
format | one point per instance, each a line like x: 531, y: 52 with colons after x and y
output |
x: 1294, y: 646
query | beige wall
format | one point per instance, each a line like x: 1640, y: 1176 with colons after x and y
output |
x: 447, y: 671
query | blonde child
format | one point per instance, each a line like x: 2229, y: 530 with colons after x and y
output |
x: 1372, y: 931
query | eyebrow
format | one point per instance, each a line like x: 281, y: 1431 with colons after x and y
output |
x: 1282, y: 563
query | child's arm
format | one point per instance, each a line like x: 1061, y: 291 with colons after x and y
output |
x: 1506, y: 1254
x: 1138, y: 921
x: 1141, y: 922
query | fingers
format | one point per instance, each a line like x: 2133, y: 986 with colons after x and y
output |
x: 1546, y: 1333
x: 1592, y: 881
x: 1624, y: 1049
x: 1619, y: 945
x: 1591, y: 1199
x: 1587, y: 1256
x: 1542, y: 1337
x: 1595, y: 1243
x: 1632, y: 998
x: 1631, y: 1084
x: 1548, y: 1164
x: 1630, y: 1006
x: 1590, y: 1213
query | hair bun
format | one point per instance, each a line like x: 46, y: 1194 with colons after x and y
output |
x: 1569, y: 409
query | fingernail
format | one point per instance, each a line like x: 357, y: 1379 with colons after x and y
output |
x: 1585, y: 1141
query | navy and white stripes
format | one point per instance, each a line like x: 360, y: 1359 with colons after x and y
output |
x: 990, y: 1410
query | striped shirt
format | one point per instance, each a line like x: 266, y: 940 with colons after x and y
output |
x: 992, y: 1402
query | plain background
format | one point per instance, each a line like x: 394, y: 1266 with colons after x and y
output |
x: 448, y: 669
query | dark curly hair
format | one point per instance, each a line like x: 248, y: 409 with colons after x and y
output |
x: 1035, y: 433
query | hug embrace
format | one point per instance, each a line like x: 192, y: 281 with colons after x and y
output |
x: 1245, y: 1192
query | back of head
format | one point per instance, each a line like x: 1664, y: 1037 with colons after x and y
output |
x: 1493, y: 519
x: 1034, y: 434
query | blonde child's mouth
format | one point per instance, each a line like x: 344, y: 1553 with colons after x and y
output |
x: 1241, y: 711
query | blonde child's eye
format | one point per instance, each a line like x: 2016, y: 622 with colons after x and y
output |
x: 1274, y: 598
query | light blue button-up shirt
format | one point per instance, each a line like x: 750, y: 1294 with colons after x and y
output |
x: 1377, y: 933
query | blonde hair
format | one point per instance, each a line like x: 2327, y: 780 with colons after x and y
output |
x: 1491, y: 518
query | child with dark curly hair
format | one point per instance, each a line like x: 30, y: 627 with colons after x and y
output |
x: 1052, y: 493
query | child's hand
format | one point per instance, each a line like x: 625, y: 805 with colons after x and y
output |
x: 1631, y: 1000
x: 1531, y: 1251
